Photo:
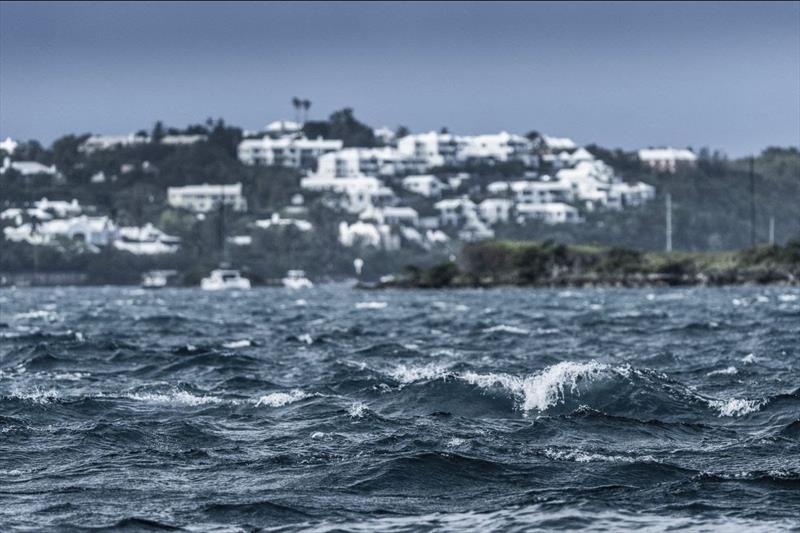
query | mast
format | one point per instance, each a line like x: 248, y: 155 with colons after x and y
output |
x: 669, y: 223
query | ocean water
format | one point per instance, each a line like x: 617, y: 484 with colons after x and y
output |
x: 337, y: 409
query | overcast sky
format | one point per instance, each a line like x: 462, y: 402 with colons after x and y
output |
x: 721, y: 75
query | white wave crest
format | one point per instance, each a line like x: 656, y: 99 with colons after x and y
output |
x: 42, y: 314
x: 735, y: 406
x: 175, y: 398
x: 36, y: 395
x: 545, y: 389
x: 503, y: 328
x: 750, y: 358
x: 238, y: 344
x: 357, y: 410
x: 371, y: 305
x: 409, y: 374
x: 580, y: 456
x: 279, y: 399
x: 730, y: 371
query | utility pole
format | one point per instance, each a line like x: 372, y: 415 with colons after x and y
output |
x: 752, y: 202
x: 669, y: 222
x: 772, y: 231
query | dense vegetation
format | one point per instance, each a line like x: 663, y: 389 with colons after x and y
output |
x: 547, y: 263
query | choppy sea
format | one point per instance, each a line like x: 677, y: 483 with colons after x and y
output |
x: 338, y: 409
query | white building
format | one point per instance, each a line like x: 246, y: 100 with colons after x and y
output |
x: 623, y: 194
x: 430, y: 149
x: 495, y: 210
x: 356, y: 194
x: 557, y: 144
x: 452, y: 211
x: 426, y: 185
x: 107, y: 142
x: 277, y: 222
x: 552, y: 213
x: 591, y: 181
x: 301, y: 153
x: 283, y: 127
x: 667, y: 159
x: 391, y: 215
x: 385, y: 135
x: 146, y: 240
x: 60, y: 208
x: 9, y: 145
x: 498, y: 187
x: 353, y: 162
x: 183, y: 139
x: 204, y: 198
x: 94, y: 231
x: 540, y: 192
x: 501, y: 147
x: 366, y: 234
x: 27, y: 168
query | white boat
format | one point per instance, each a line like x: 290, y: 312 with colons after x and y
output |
x: 157, y: 279
x: 296, y: 279
x: 224, y: 279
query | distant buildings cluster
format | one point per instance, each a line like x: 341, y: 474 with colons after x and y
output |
x: 52, y: 223
x: 368, y: 181
x: 374, y: 188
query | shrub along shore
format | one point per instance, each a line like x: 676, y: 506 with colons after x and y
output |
x: 548, y: 264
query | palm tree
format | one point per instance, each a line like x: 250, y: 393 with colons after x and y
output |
x: 306, y: 106
x: 297, y: 103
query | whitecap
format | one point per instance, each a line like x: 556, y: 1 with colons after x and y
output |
x: 580, y: 456
x: 788, y: 297
x: 371, y: 305
x: 547, y: 388
x: 279, y: 399
x: 238, y: 344
x: 42, y: 314
x: 357, y: 409
x: 455, y: 442
x: 735, y: 406
x: 730, y: 371
x: 750, y: 359
x: 175, y: 398
x: 409, y: 374
x: 36, y: 395
x: 503, y: 328
x: 306, y: 338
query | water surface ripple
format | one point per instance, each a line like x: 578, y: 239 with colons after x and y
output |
x: 337, y: 409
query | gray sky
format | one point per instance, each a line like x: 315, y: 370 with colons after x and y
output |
x: 724, y: 75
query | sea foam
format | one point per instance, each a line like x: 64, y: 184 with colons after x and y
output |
x: 279, y: 399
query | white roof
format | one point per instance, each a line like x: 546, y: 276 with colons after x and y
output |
x: 399, y: 212
x: 283, y: 125
x: 421, y: 178
x: 183, y: 139
x: 276, y: 220
x: 9, y: 145
x: 32, y: 167
x: 450, y: 203
x: 205, y: 188
x: 559, y: 143
x: 549, y: 207
x: 659, y: 154
x: 495, y: 202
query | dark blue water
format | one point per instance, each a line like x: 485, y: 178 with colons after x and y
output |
x: 336, y: 409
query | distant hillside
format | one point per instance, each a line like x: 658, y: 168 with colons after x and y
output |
x: 711, y: 205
